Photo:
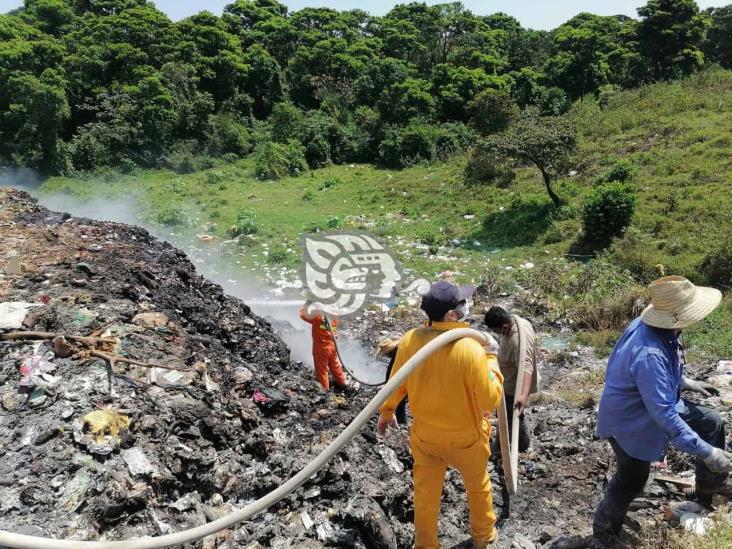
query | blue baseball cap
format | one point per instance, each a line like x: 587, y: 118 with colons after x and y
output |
x: 444, y: 297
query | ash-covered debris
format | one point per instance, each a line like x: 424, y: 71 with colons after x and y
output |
x: 226, y: 416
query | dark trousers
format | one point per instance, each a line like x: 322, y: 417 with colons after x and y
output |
x: 524, y: 438
x: 631, y: 474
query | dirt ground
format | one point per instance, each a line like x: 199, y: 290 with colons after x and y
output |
x: 236, y: 417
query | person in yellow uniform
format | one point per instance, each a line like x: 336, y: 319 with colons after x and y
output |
x: 450, y: 396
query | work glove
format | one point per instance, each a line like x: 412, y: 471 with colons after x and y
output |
x: 701, y: 387
x: 719, y: 461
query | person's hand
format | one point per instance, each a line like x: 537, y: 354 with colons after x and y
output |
x: 719, y: 461
x: 385, y: 424
x: 491, y: 345
x: 701, y: 387
x: 520, y: 403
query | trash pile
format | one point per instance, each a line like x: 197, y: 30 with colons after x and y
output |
x: 137, y: 399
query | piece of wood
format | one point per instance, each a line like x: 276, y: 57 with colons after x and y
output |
x: 676, y: 481
x: 49, y: 335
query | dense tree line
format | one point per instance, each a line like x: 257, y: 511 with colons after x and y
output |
x: 86, y: 84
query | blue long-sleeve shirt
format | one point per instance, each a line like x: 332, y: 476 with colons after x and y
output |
x: 642, y: 397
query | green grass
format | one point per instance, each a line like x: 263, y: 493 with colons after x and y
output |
x: 675, y: 137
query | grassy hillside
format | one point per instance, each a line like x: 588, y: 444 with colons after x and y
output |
x: 675, y: 140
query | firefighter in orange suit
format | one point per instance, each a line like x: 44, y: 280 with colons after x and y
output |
x: 450, y: 395
x: 325, y: 356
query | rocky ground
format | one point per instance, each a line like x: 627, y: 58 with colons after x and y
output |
x: 212, y: 413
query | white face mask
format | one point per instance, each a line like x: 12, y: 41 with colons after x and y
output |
x: 465, y: 310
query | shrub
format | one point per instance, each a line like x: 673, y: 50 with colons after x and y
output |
x: 608, y: 211
x: 246, y: 223
x: 227, y: 136
x: 403, y: 147
x: 286, y: 122
x: 492, y: 111
x: 452, y: 139
x: 621, y: 172
x: 330, y: 182
x: 716, y: 267
x: 277, y: 160
x: 214, y: 177
x: 174, y: 214
x: 277, y: 255
x: 332, y: 221
x: 182, y: 159
x: 308, y: 195
x: 486, y: 167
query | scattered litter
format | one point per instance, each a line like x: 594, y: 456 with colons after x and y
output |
x: 13, y: 267
x: 73, y: 495
x: 325, y: 531
x: 307, y: 522
x: 169, y: 378
x: 186, y: 502
x: 314, y: 492
x: 279, y: 436
x: 101, y: 431
x: 673, y: 512
x: 151, y: 319
x: 469, y: 217
x: 36, y: 372
x: 528, y: 265
x: 13, y: 313
x: 390, y: 458
x: 137, y: 462
x: 695, y: 524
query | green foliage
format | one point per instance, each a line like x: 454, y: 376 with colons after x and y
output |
x: 332, y: 221
x: 621, y: 171
x: 330, y: 183
x: 716, y: 267
x: 246, y: 223
x: 112, y: 84
x: 308, y: 195
x: 277, y: 160
x: 492, y: 111
x: 608, y: 211
x: 175, y: 214
x: 546, y: 142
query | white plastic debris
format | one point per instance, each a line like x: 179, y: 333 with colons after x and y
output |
x: 137, y: 462
x: 469, y: 217
x: 279, y: 436
x: 13, y: 313
x: 307, y: 522
x: 186, y: 502
x: 390, y: 458
x: 695, y: 524
x: 325, y: 531
x: 528, y: 265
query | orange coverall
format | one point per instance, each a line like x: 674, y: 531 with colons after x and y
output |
x: 325, y: 356
x: 448, y: 395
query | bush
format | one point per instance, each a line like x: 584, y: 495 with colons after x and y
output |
x: 716, y: 267
x: 332, y: 221
x: 452, y: 139
x: 277, y: 160
x: 227, y: 136
x: 330, y: 182
x: 487, y: 167
x: 182, y: 159
x: 404, y: 147
x: 246, y: 223
x: 492, y: 111
x: 608, y: 211
x: 621, y: 172
x: 308, y: 195
x: 214, y: 177
x: 175, y: 214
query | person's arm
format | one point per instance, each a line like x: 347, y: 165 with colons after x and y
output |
x: 386, y: 412
x: 658, y: 391
x: 310, y: 319
x: 486, y: 377
x: 527, y: 350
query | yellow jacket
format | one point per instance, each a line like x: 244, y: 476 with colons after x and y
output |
x: 452, y: 388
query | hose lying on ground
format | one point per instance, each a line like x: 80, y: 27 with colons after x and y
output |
x: 32, y: 542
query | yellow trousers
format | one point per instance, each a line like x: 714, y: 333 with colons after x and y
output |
x: 468, y: 453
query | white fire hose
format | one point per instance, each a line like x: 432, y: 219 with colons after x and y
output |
x: 33, y: 542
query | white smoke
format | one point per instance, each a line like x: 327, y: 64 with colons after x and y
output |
x: 211, y: 261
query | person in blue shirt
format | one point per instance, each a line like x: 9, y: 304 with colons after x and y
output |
x: 641, y: 409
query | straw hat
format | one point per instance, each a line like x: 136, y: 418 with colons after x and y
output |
x: 677, y: 304
x: 386, y: 346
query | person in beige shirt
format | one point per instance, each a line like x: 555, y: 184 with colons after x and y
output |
x: 515, y: 336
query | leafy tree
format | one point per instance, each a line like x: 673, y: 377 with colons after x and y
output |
x: 456, y: 87
x: 669, y: 35
x: 608, y: 212
x: 492, y: 111
x: 33, y: 120
x: 546, y: 142
x: 406, y: 100
x: 718, y: 44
